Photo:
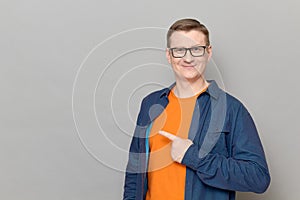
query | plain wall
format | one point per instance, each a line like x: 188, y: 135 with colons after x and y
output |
x: 73, y: 74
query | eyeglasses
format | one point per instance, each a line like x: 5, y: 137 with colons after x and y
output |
x: 180, y: 52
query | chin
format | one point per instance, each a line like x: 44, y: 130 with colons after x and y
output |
x: 190, y: 77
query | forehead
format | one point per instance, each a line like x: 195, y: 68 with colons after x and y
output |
x: 186, y: 39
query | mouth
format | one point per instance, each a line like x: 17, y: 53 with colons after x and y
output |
x: 188, y: 66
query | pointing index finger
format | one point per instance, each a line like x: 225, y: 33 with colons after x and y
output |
x: 167, y: 135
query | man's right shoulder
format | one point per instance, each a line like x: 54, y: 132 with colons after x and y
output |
x: 155, y: 95
x: 151, y: 105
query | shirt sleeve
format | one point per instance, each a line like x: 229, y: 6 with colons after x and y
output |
x: 135, y: 166
x: 131, y: 176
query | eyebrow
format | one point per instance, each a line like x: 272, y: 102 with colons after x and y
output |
x: 197, y: 45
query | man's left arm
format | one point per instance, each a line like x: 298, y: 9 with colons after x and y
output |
x: 246, y: 170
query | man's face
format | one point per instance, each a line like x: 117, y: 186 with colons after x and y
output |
x: 188, y: 68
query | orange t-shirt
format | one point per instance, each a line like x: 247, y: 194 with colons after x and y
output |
x: 166, y: 178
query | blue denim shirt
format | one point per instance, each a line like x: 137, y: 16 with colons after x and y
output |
x: 227, y: 154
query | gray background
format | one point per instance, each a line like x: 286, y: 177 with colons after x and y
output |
x: 66, y: 119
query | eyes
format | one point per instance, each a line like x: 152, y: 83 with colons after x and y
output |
x: 197, y: 49
x: 193, y: 49
x: 179, y: 52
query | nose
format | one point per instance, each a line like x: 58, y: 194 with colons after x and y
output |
x: 188, y: 56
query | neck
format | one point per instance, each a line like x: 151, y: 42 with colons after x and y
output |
x: 186, y: 88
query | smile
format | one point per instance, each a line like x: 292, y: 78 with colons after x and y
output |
x: 188, y: 66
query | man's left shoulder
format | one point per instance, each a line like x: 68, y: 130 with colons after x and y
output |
x: 233, y: 103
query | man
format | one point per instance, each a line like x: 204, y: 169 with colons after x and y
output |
x: 193, y: 140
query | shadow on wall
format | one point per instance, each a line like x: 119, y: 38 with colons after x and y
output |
x: 250, y: 196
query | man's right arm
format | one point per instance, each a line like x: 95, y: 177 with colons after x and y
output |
x: 133, y: 168
x: 131, y: 175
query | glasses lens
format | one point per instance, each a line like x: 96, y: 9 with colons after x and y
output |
x: 197, y: 51
x: 179, y: 52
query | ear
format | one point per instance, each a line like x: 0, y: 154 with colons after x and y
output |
x: 168, y: 55
x: 209, y: 52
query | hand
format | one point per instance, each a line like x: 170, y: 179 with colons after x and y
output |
x: 179, y: 145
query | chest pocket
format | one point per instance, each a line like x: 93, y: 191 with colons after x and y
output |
x: 216, y: 142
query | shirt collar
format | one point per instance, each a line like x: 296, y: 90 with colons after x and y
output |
x: 213, y: 89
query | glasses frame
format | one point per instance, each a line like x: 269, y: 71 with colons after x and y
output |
x: 186, y: 49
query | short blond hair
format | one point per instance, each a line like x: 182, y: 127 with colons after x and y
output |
x: 187, y: 25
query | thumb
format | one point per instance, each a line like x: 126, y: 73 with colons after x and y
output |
x: 167, y: 135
